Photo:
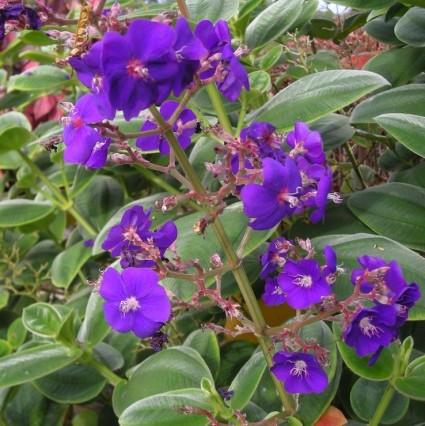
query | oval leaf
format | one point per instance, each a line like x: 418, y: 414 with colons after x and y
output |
x: 317, y: 95
x: 173, y: 369
x: 406, y: 128
x: 15, y: 131
x: 394, y: 210
x: 68, y: 263
x: 94, y: 327
x: 246, y: 381
x: 367, y: 5
x: 206, y: 344
x: 411, y: 27
x: 406, y: 100
x: 73, y: 384
x: 412, y: 384
x: 41, y: 319
x: 37, y: 362
x: 366, y: 395
x: 20, y: 212
x: 42, y: 78
x: 162, y: 410
x: 272, y: 22
x: 211, y: 10
x: 397, y: 65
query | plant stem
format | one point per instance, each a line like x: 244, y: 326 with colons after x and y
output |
x: 240, y: 121
x: 223, y: 119
x: 232, y: 258
x: 62, y: 202
x: 382, y: 406
x: 355, y: 165
x: 105, y: 371
x: 183, y: 8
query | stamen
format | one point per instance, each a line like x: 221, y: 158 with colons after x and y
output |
x: 299, y: 369
x: 129, y: 304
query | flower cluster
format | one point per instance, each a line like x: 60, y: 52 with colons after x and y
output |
x: 369, y: 329
x: 301, y: 282
x: 293, y: 177
x: 135, y: 243
x: 131, y: 72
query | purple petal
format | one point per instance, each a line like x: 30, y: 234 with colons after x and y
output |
x: 139, y: 282
x: 116, y: 319
x: 144, y: 327
x: 112, y: 288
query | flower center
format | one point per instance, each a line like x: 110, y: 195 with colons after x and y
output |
x: 303, y: 281
x: 136, y: 70
x: 130, y: 234
x: 285, y: 196
x: 299, y: 369
x: 129, y: 304
x: 77, y: 122
x: 277, y: 290
x: 367, y: 328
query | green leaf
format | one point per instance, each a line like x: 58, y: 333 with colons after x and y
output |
x: 271, y: 57
x: 47, y: 78
x: 398, y: 65
x: 101, y: 198
x: 16, y: 333
x: 41, y: 319
x: 408, y: 129
x: 365, y: 5
x: 81, y: 179
x: 312, y: 406
x: 275, y: 20
x: 36, y: 38
x: 37, y: 362
x: 246, y: 381
x: 5, y: 348
x: 193, y: 246
x: 382, y: 30
x: 309, y: 9
x: 172, y: 369
x: 4, y: 297
x: 68, y: 263
x: 15, y: 131
x: 73, y: 384
x: 20, y: 212
x: 413, y: 176
x: 406, y: 100
x: 28, y: 407
x: 411, y: 27
x: 322, y: 28
x: 394, y: 210
x: 412, y: 383
x: 147, y: 203
x: 213, y: 11
x: 349, y: 247
x: 366, y: 395
x: 317, y: 95
x: 162, y: 409
x: 335, y: 130
x: 381, y: 370
x: 94, y: 327
x: 206, y: 344
x: 11, y: 160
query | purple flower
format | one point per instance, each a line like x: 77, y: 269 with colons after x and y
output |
x: 306, y: 143
x: 89, y: 71
x: 134, y: 226
x: 387, y: 278
x: 135, y: 242
x: 405, y: 301
x: 303, y: 283
x: 263, y: 134
x: 189, y: 51
x: 84, y: 144
x: 157, y: 340
x: 16, y: 12
x: 275, y: 256
x: 183, y: 128
x: 273, y: 294
x: 276, y: 198
x: 134, y: 301
x: 371, y: 328
x: 216, y: 39
x: 140, y: 67
x: 329, y: 271
x: 300, y: 372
